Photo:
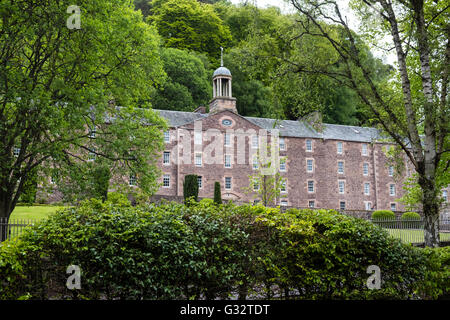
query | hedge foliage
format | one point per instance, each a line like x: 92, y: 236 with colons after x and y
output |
x: 383, y: 215
x: 208, y: 251
x: 410, y: 216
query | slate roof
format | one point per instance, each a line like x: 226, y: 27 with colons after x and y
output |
x: 287, y: 128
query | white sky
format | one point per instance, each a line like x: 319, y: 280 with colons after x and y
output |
x: 343, y: 4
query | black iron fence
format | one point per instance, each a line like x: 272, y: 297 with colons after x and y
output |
x: 412, y: 230
x: 12, y: 228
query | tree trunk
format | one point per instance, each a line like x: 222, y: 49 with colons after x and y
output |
x: 431, y: 213
x: 5, y: 212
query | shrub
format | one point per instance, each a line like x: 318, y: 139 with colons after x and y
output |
x: 383, y: 215
x: 174, y: 251
x: 384, y: 218
x: 217, y: 193
x: 190, y: 187
x: 436, y: 282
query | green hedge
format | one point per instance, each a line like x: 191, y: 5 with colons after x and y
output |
x: 209, y: 251
x: 383, y: 215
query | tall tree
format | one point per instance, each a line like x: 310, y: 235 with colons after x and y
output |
x: 58, y: 80
x: 187, y: 85
x: 190, y: 25
x: 420, y: 34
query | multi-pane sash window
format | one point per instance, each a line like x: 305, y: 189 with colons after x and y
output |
x: 132, y: 180
x: 198, y: 159
x: 310, y: 186
x: 339, y: 147
x: 393, y: 207
x: 167, y: 136
x: 309, y: 165
x: 364, y: 149
x: 391, y: 171
x: 228, y: 183
x: 366, y: 188
x: 341, y: 167
x: 282, y: 144
x: 197, y: 137
x: 255, y: 163
x: 308, y: 145
x: 342, y: 205
x: 255, y: 142
x: 255, y: 185
x: 283, y: 186
x: 366, y: 169
x: 166, y: 157
x: 227, y: 161
x: 227, y: 139
x: 311, y: 204
x: 392, y: 189
x: 282, y: 164
x: 166, y: 181
x: 341, y: 186
x: 199, y: 182
x: 445, y: 195
x: 16, y: 152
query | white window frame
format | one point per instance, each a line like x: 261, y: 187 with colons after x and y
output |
x: 255, y: 142
x: 200, y: 182
x: 343, y: 165
x: 391, y: 171
x: 16, y: 152
x: 230, y: 181
x: 132, y: 182
x: 365, y: 164
x: 341, y: 186
x: 166, y: 153
x: 282, y: 144
x: 255, y: 185
x: 392, y: 189
x: 308, y: 185
x: 368, y: 205
x: 198, y: 137
x: 284, y: 202
x: 166, y: 177
x: 393, y: 206
x: 364, y: 149
x: 227, y: 164
x: 445, y: 195
x: 255, y: 163
x: 308, y: 167
x: 283, y: 188
x: 308, y: 146
x: 313, y: 204
x: 340, y: 147
x: 367, y: 188
x: 167, y: 136
x: 340, y: 205
x: 227, y: 139
x: 198, y: 155
x: 283, y: 164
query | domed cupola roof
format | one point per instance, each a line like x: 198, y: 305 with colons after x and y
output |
x: 222, y: 71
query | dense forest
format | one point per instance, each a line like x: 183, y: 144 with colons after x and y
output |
x: 261, y: 46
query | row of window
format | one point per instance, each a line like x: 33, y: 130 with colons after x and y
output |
x: 255, y: 142
x: 255, y: 165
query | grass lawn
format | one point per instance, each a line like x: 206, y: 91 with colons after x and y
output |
x: 33, y: 213
x: 414, y: 236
